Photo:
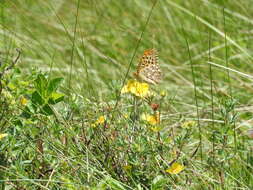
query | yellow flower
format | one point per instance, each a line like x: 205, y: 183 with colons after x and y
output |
x: 137, y: 88
x: 2, y: 135
x: 100, y: 120
x: 175, y: 168
x: 151, y: 119
x: 189, y: 124
x: 126, y: 116
x: 23, y: 101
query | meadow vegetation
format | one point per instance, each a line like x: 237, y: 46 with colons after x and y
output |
x: 73, y: 117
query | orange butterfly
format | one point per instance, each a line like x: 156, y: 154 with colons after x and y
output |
x: 148, y: 68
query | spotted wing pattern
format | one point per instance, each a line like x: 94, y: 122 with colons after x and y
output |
x: 148, y: 68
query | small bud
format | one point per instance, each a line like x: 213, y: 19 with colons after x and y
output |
x: 163, y: 93
x: 154, y: 106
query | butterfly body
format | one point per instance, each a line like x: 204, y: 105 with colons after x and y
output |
x: 148, y: 68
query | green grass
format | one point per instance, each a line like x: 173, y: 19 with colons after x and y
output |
x: 87, y: 51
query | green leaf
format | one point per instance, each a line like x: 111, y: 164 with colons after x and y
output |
x: 35, y: 131
x: 12, y: 86
x: 26, y: 113
x: 41, y: 85
x: 55, y: 98
x: 37, y: 99
x: 17, y: 122
x: 112, y: 183
x: 47, y: 110
x: 53, y: 85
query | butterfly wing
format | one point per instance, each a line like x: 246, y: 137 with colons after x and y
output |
x: 148, y: 68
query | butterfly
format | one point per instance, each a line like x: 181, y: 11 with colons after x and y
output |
x: 148, y: 68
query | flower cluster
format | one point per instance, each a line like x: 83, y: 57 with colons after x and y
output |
x: 136, y: 88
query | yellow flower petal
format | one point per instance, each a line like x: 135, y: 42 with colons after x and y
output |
x: 126, y: 116
x: 2, y: 135
x: 138, y: 89
x: 125, y: 89
x: 100, y: 121
x: 23, y: 101
x: 151, y: 119
x: 142, y: 90
x: 175, y: 168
